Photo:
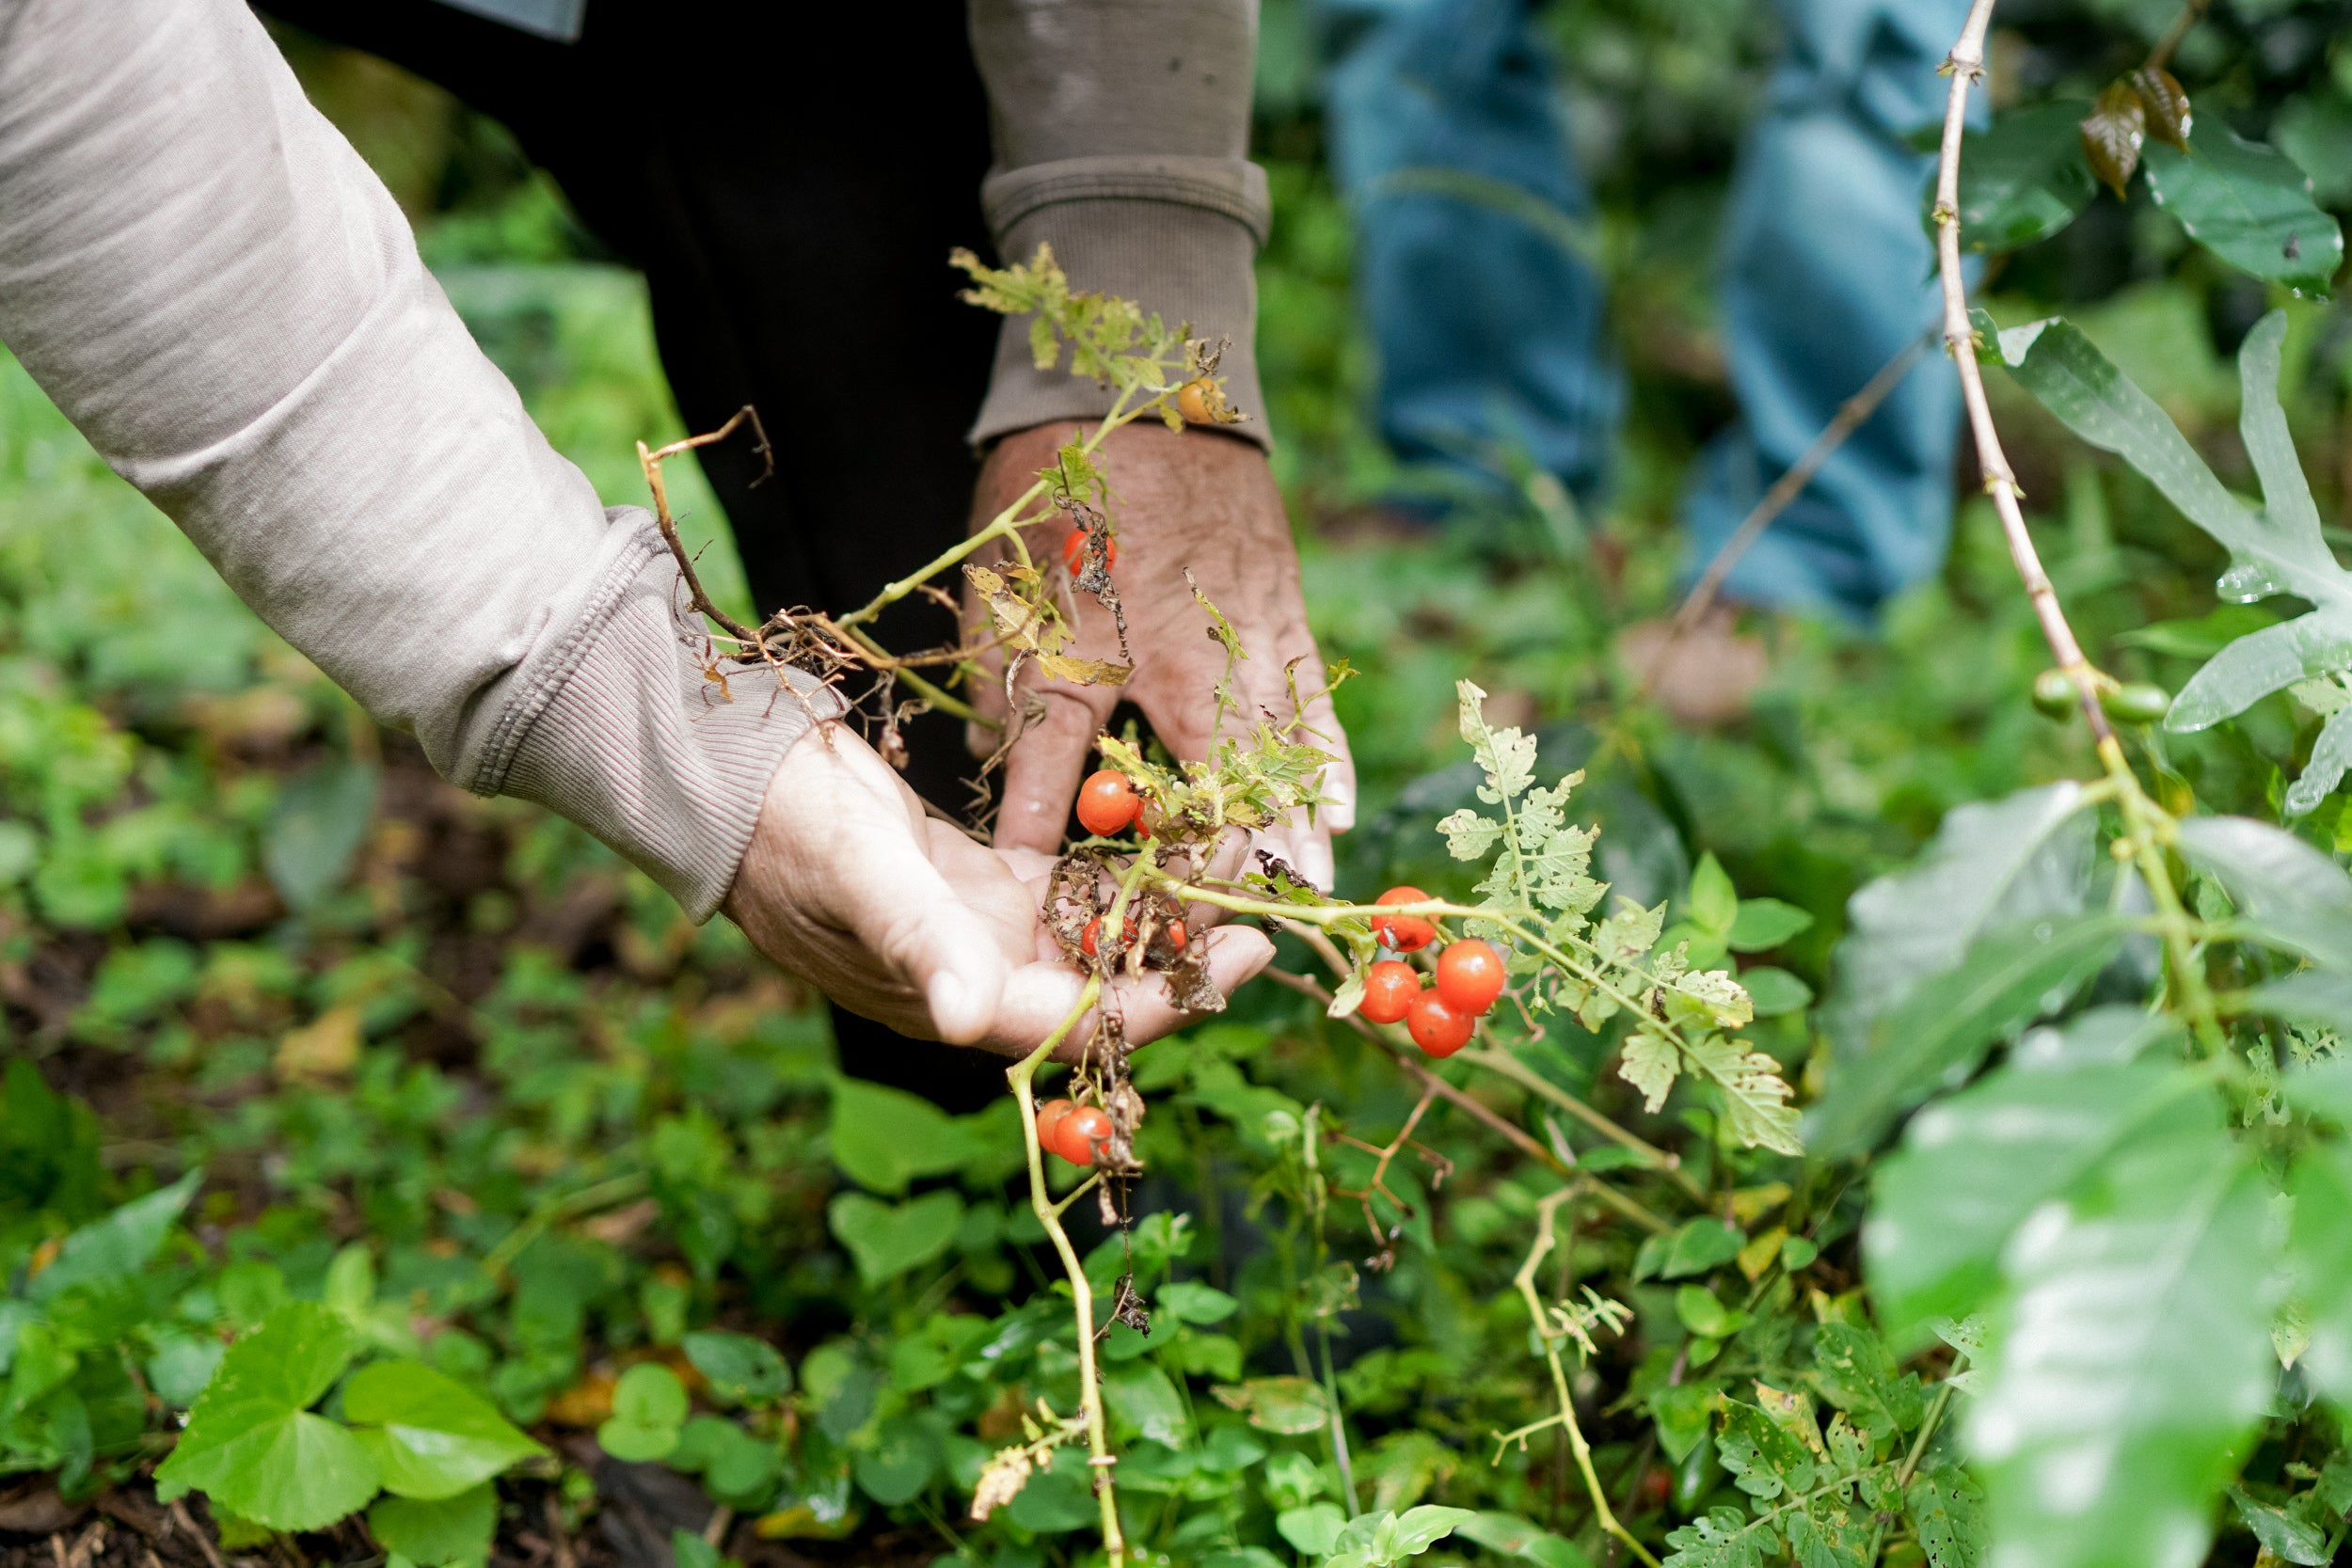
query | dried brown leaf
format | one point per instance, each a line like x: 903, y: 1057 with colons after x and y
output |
x: 2166, y: 102
x: 2112, y: 134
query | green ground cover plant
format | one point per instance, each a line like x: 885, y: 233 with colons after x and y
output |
x: 1927, y: 1149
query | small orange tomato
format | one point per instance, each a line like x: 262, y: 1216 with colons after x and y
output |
x: 1192, y: 402
x: 1390, y: 987
x: 1176, y: 937
x: 1081, y: 1132
x: 1089, y: 938
x: 1073, y: 551
x: 1108, y: 802
x: 1470, y: 977
x: 1049, y: 1118
x: 1436, y: 1028
x: 1406, y: 933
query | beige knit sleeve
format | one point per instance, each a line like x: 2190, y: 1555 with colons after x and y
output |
x: 204, y: 277
x: 1121, y: 129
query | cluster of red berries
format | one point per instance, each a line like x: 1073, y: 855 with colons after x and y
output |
x: 1073, y: 1130
x: 1093, y: 934
x: 1108, y: 803
x: 1439, y: 1017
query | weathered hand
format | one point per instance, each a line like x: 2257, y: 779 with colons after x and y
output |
x: 905, y: 920
x: 1197, y: 499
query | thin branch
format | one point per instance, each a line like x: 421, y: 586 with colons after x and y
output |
x: 1525, y: 1281
x: 1518, y: 1137
x: 1852, y: 415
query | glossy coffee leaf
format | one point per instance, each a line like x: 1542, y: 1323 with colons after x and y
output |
x: 2250, y: 206
x: 2131, y: 1359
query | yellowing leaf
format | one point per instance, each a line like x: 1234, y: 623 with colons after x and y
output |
x: 322, y: 1048
x: 1649, y: 1064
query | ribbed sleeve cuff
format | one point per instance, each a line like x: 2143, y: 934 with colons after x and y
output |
x: 1178, y: 235
x: 616, y: 727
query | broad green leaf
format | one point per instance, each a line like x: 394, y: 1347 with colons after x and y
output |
x: 648, y: 1403
x: 1312, y: 1529
x: 2288, y: 893
x: 431, y: 1435
x: 888, y: 1238
x: 741, y: 1370
x: 118, y: 1244
x: 1419, y: 1529
x: 2281, y: 1534
x: 1972, y: 1167
x: 1290, y: 1405
x: 2319, y: 1262
x: 2007, y: 981
x: 1701, y: 1245
x: 452, y: 1530
x: 2250, y: 205
x: 1991, y: 865
x: 1513, y: 1536
x: 1196, y: 1303
x: 251, y: 1444
x: 1774, y: 993
x: 885, y: 1137
x: 1764, y: 923
x: 902, y: 1463
x: 319, y: 820
x: 1144, y: 1403
x: 1714, y: 903
x: 2279, y: 550
x: 2023, y: 180
x: 2132, y: 1359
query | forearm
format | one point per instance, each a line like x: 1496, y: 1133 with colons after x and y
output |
x: 214, y: 288
x: 1121, y: 129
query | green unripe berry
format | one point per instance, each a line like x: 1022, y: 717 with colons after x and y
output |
x: 2054, y: 693
x: 2137, y: 702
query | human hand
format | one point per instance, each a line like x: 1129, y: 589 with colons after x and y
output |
x: 1193, y: 498
x: 904, y: 920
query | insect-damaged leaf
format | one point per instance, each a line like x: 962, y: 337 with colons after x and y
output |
x: 2250, y: 205
x: 2111, y: 135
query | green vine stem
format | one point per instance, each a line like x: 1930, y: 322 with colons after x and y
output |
x: 1525, y: 1279
x: 1049, y: 1212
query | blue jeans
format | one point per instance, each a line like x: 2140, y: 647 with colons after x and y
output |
x: 1487, y: 317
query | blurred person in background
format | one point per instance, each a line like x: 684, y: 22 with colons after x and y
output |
x: 1448, y: 139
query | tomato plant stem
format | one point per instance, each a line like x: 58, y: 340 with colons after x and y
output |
x: 1525, y: 1280
x: 1021, y: 1075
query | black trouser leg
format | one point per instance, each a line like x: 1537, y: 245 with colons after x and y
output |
x: 792, y: 208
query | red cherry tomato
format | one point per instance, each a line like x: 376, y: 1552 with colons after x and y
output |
x: 1073, y: 551
x: 1406, y: 933
x: 1093, y: 934
x: 1176, y: 937
x: 1436, y: 1028
x: 1081, y: 1132
x: 1108, y: 802
x: 1049, y: 1119
x: 1390, y: 987
x: 1470, y: 977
